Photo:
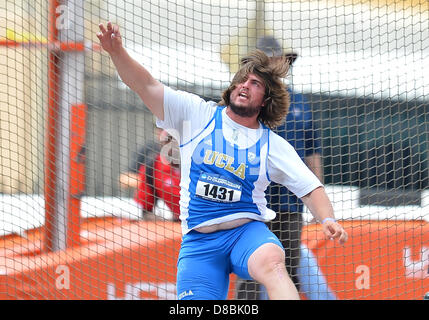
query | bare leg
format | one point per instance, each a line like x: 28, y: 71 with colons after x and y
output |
x: 267, y: 266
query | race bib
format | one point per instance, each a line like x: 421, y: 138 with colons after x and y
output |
x: 214, y: 187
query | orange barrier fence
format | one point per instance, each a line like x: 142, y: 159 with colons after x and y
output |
x: 382, y: 259
x: 117, y: 259
x: 124, y: 259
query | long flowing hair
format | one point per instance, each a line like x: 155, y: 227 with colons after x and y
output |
x: 271, y: 71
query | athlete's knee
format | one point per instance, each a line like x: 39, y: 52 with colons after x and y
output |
x: 275, y: 265
x: 267, y: 261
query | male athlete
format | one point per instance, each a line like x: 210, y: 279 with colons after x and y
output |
x: 228, y: 157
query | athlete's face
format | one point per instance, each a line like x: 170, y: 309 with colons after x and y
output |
x: 248, y: 96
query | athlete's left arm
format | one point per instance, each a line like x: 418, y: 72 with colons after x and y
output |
x: 287, y: 168
x: 320, y: 206
x: 314, y: 162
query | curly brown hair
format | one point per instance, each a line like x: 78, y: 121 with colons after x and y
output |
x: 271, y: 71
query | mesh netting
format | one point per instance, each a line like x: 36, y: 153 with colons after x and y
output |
x: 88, y: 210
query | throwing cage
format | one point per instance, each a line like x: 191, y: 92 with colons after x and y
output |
x: 69, y: 127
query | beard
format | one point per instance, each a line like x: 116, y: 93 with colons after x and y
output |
x: 246, y: 112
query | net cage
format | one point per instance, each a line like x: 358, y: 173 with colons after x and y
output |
x: 88, y: 210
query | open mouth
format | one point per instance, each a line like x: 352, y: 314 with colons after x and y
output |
x: 243, y: 95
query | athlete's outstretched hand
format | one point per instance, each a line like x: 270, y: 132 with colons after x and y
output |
x: 333, y: 230
x: 110, y: 39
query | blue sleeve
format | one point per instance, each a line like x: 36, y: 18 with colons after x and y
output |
x: 311, y: 132
x: 312, y: 138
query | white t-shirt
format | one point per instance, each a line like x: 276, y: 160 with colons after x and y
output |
x: 187, y: 115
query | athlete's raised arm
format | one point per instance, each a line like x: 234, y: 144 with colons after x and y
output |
x: 150, y: 90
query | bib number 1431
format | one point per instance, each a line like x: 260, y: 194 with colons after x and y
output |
x: 220, y: 193
x: 215, y: 188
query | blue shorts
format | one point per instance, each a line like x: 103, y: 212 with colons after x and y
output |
x: 206, y: 259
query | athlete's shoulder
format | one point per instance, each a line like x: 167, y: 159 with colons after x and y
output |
x: 186, y: 95
x: 185, y: 111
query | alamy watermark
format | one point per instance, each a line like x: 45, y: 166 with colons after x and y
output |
x: 363, y: 279
x: 62, y: 280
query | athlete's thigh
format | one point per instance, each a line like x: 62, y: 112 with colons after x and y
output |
x: 253, y: 235
x: 203, y: 266
x: 202, y: 278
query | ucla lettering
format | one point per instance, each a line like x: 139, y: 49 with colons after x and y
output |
x: 224, y: 161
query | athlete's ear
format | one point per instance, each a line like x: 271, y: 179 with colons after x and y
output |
x: 265, y: 101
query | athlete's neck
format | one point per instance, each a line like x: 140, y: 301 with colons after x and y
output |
x: 249, y: 122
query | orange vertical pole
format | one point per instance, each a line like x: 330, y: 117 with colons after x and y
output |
x: 77, y: 172
x: 51, y: 131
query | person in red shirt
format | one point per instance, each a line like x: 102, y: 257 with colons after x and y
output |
x: 165, y: 181
x: 157, y: 178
